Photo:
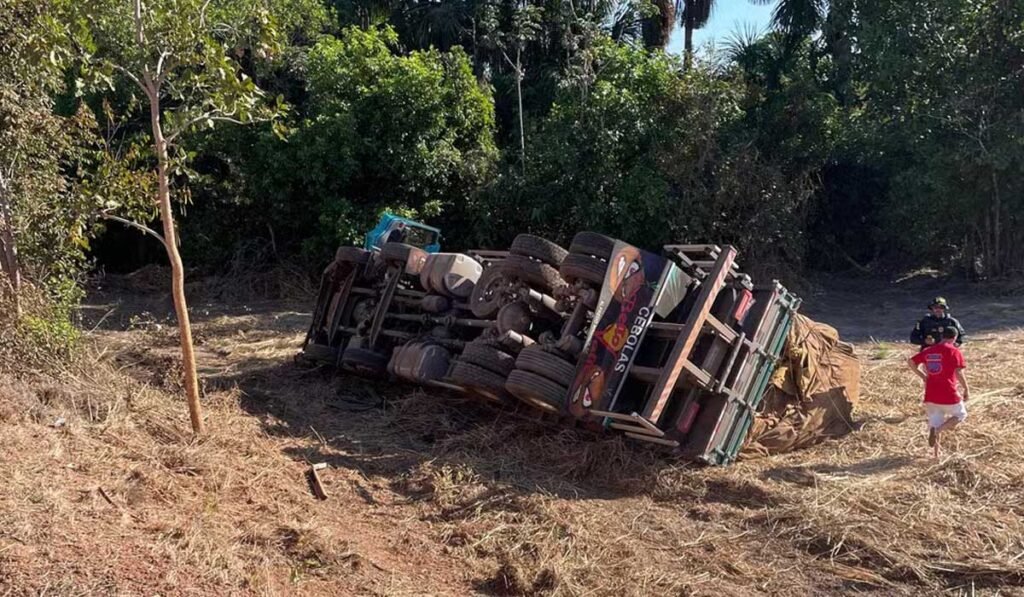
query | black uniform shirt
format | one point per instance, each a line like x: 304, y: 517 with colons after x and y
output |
x: 933, y: 326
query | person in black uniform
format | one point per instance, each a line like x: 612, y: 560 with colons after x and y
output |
x: 928, y: 331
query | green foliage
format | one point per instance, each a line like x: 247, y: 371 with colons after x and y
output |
x: 49, y: 220
x: 422, y: 126
x: 44, y: 335
x: 947, y: 127
x: 180, y: 64
x: 653, y: 155
x: 853, y: 132
x: 411, y: 134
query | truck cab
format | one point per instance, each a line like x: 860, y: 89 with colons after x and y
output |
x: 392, y: 228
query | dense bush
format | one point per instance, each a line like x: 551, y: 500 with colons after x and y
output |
x: 864, y: 134
x: 411, y: 134
x: 947, y: 125
x: 654, y: 155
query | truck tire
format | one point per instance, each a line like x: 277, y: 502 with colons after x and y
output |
x: 536, y: 390
x: 584, y: 268
x: 485, y: 300
x: 538, y: 248
x: 535, y: 273
x: 352, y: 255
x: 488, y: 384
x: 594, y: 244
x: 488, y: 357
x: 535, y: 359
x: 397, y: 252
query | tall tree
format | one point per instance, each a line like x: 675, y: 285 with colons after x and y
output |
x: 693, y: 14
x: 797, y: 18
x: 657, y: 28
x: 182, y: 55
x: 512, y: 41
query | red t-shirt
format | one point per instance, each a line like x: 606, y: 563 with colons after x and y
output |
x: 941, y: 362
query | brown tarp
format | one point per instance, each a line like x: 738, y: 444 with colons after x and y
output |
x: 812, y: 394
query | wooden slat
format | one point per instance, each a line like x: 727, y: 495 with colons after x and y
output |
x: 694, y: 248
x: 645, y: 374
x: 655, y: 440
x: 650, y: 426
x: 735, y: 269
x: 702, y: 377
x: 633, y: 429
x: 731, y: 362
x: 637, y: 423
x: 611, y: 415
x: 680, y: 356
x: 727, y: 333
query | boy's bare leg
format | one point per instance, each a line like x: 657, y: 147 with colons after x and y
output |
x: 935, y: 446
x: 950, y: 424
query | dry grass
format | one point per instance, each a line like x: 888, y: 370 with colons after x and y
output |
x: 435, y: 495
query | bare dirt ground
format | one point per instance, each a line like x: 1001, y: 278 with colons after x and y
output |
x: 105, y: 493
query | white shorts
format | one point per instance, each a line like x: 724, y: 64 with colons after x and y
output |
x: 939, y: 413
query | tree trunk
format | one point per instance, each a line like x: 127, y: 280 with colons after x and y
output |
x: 997, y: 231
x: 9, y: 248
x: 519, y: 94
x: 188, y: 357
x: 688, y: 43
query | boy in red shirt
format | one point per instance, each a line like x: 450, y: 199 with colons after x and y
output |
x: 943, y: 368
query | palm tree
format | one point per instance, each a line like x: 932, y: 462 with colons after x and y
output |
x: 657, y: 29
x: 437, y: 23
x: 693, y: 14
x: 797, y: 18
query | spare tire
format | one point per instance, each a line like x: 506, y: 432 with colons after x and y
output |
x: 584, y: 268
x: 535, y: 359
x: 488, y: 357
x: 485, y: 300
x: 538, y: 248
x: 535, y: 273
x: 592, y: 243
x: 536, y: 390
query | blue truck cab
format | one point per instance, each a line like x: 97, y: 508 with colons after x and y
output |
x: 392, y: 228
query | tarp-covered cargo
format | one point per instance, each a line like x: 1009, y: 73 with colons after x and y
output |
x: 813, y: 392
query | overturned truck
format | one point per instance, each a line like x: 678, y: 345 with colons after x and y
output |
x: 674, y: 348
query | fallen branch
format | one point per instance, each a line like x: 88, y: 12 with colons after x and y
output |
x: 316, y: 481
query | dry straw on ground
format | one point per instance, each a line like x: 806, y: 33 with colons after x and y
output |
x: 106, y: 493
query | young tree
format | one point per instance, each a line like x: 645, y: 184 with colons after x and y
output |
x: 183, y: 56
x: 524, y: 27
